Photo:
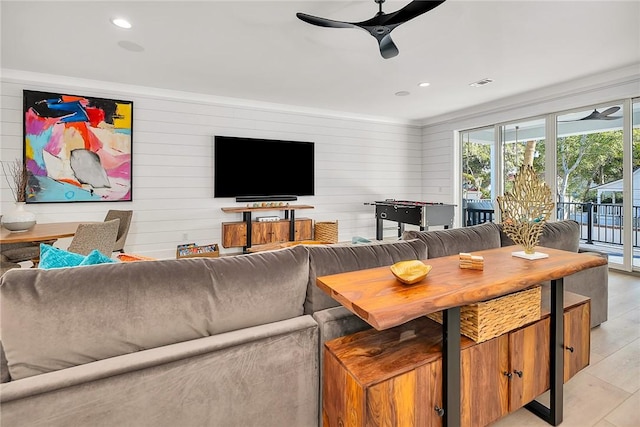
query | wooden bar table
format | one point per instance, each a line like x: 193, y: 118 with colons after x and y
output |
x: 376, y: 296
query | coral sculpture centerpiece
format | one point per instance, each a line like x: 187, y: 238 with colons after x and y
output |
x: 525, y: 210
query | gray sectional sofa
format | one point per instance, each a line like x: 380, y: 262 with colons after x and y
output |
x: 231, y: 341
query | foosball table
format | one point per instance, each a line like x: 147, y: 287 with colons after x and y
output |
x: 422, y: 214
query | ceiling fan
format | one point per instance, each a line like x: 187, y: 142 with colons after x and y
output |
x: 597, y: 115
x: 381, y: 25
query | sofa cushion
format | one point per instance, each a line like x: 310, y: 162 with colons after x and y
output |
x: 453, y: 241
x: 107, y: 310
x: 563, y: 235
x: 4, y: 367
x: 333, y: 259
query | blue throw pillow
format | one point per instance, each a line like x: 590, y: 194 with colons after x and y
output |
x: 96, y: 257
x: 52, y: 257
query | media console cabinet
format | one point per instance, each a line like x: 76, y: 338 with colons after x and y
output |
x: 376, y: 296
x: 394, y: 377
x: 250, y: 232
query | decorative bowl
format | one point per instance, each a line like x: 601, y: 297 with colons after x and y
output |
x: 410, y: 272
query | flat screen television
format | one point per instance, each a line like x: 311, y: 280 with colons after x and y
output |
x: 262, y: 168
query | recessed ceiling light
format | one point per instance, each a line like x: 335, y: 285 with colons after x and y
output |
x: 121, y: 22
x: 481, y: 82
x: 402, y: 93
x: 424, y: 84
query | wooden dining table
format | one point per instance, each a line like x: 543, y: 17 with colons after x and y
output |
x: 40, y: 233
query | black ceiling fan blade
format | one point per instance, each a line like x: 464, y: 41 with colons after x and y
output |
x: 381, y: 25
x: 410, y: 11
x: 605, y: 115
x: 609, y: 110
x: 595, y: 115
x: 323, y: 22
x: 388, y: 48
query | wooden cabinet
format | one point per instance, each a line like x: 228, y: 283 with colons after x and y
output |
x: 514, y: 368
x: 278, y: 231
x: 394, y: 377
x: 234, y: 234
x: 505, y: 373
x: 385, y: 378
x: 527, y: 374
x: 483, y: 384
x: 577, y: 339
x: 269, y: 232
x: 577, y: 336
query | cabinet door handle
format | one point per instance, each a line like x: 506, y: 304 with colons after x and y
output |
x: 439, y: 411
x: 518, y: 373
x: 570, y: 349
x: 508, y: 374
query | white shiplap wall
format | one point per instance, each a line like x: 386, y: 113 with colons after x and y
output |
x: 441, y: 169
x: 358, y: 160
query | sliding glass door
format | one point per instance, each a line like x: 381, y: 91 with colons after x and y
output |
x: 478, y: 177
x: 590, y: 172
x: 635, y: 186
x: 522, y: 143
x: 590, y: 157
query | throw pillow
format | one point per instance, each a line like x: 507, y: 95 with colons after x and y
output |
x: 96, y: 257
x: 52, y: 257
x: 134, y: 257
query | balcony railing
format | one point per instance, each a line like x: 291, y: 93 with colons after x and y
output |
x: 599, y: 222
x: 477, y: 212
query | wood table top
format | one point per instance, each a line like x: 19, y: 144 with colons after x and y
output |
x: 376, y: 296
x: 41, y: 232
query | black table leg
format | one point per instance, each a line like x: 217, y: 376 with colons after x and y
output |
x: 553, y: 414
x: 246, y: 216
x: 451, y: 367
x: 292, y: 226
x: 379, y: 228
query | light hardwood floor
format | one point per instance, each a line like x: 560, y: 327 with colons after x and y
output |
x: 607, y: 392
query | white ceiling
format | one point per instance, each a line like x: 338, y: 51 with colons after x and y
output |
x: 259, y: 50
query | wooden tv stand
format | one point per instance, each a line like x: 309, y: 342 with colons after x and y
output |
x: 248, y: 232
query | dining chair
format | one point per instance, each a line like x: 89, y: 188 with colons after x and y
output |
x: 95, y: 235
x: 6, y: 265
x: 19, y: 252
x: 123, y: 230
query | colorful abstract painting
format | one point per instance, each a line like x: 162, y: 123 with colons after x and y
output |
x: 77, y: 148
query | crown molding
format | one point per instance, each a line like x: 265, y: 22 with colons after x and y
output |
x: 608, y: 82
x: 127, y: 91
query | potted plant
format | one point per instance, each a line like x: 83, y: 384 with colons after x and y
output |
x: 19, y: 219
